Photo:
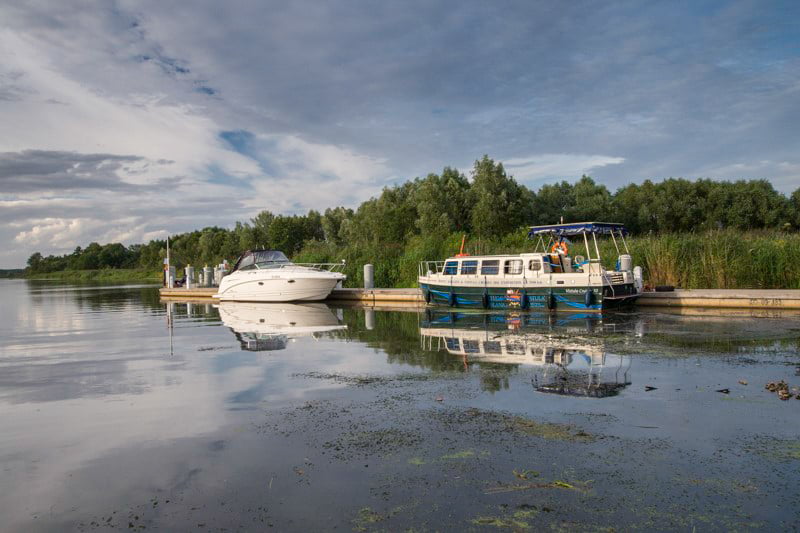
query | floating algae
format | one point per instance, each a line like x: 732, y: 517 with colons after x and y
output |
x: 480, y: 421
x: 780, y: 450
x: 465, y: 454
x: 516, y: 520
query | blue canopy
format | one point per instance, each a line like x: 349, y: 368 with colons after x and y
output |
x: 578, y: 228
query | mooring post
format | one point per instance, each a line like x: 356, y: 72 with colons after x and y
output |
x: 189, y: 276
x: 369, y: 318
x: 369, y: 276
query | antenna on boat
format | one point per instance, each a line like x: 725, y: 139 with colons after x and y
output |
x: 461, y: 251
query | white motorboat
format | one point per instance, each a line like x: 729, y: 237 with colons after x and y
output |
x: 262, y: 327
x: 269, y: 276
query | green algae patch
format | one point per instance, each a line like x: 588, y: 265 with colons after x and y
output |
x: 525, y: 474
x: 780, y: 450
x: 466, y: 454
x: 518, y: 520
x: 580, y: 486
x: 500, y: 522
x: 365, y: 518
x: 548, y: 430
x: 383, y: 443
x: 486, y: 422
x: 720, y: 485
x: 417, y: 461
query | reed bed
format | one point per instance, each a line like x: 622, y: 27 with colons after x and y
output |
x: 720, y: 259
x: 726, y: 259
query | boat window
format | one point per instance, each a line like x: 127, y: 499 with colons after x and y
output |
x: 534, y: 264
x: 270, y: 256
x: 451, y: 268
x: 245, y: 262
x: 490, y: 267
x: 452, y: 343
x: 469, y: 267
x: 492, y: 347
x: 515, y: 348
x: 472, y: 346
x: 513, y: 266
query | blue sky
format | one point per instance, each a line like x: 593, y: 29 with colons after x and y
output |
x: 122, y: 121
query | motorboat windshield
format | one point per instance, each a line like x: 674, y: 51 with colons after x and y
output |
x: 261, y: 259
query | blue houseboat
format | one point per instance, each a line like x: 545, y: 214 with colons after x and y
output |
x: 550, y: 278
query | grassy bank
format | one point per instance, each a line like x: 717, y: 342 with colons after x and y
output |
x: 712, y: 260
x: 102, y: 275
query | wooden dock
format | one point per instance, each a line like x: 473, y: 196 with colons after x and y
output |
x: 774, y: 300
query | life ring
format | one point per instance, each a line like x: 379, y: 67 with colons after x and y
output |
x: 560, y: 247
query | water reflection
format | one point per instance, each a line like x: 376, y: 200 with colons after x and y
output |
x: 264, y: 327
x: 567, y: 352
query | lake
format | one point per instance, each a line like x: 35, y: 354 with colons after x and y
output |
x: 119, y: 411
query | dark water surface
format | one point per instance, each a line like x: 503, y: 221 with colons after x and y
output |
x: 120, y: 412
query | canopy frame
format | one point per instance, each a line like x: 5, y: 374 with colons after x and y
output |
x: 558, y: 232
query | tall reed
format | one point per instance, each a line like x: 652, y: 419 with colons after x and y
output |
x: 726, y: 259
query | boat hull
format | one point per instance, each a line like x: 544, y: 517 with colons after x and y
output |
x: 573, y: 298
x: 252, y: 287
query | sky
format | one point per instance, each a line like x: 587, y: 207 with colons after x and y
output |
x: 123, y: 121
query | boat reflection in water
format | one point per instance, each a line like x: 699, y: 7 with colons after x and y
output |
x: 266, y: 326
x: 566, y: 352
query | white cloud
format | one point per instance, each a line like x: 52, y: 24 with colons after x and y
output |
x: 307, y: 175
x: 90, y: 121
x: 537, y: 168
x: 784, y: 175
x: 342, y: 100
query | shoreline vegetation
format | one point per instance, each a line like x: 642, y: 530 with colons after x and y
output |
x: 100, y: 275
x: 690, y: 234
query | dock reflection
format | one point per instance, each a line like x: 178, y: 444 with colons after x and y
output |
x: 566, y: 353
x: 266, y: 326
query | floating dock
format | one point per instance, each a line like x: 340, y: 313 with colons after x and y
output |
x: 774, y: 300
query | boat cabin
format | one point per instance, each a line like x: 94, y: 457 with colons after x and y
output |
x: 252, y: 259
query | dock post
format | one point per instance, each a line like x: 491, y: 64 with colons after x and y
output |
x: 209, y: 276
x: 369, y: 318
x: 369, y: 276
x: 189, y: 276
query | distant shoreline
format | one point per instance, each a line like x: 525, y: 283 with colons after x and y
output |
x: 106, y: 274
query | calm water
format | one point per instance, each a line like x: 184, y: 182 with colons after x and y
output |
x: 121, y: 412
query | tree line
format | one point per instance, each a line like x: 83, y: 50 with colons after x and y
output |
x: 421, y: 216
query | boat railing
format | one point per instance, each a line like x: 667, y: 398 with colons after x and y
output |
x: 428, y: 268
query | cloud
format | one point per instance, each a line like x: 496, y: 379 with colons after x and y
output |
x: 288, y: 106
x: 305, y: 175
x: 542, y: 167
x: 40, y: 170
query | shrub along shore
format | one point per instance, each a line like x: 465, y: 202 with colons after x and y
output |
x: 691, y: 234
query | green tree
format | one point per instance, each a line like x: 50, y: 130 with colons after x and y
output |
x: 442, y: 203
x: 261, y: 223
x: 332, y: 223
x: 591, y: 202
x: 499, y: 203
x: 552, y: 202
